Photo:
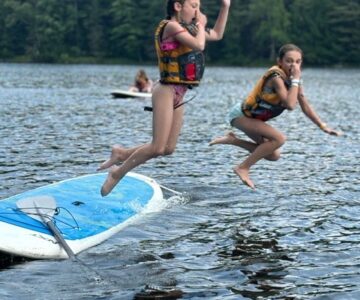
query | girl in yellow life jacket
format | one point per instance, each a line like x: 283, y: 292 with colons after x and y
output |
x: 179, y: 41
x: 279, y: 89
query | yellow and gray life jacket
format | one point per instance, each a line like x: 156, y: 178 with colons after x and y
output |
x: 182, y: 65
x: 263, y: 103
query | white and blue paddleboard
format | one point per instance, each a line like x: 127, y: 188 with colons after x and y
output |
x: 83, y: 217
x: 129, y: 94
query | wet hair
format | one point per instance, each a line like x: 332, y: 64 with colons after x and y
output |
x: 289, y: 47
x: 141, y: 79
x: 170, y: 11
x: 141, y: 75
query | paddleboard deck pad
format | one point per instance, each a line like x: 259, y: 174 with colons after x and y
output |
x: 128, y: 94
x: 82, y: 215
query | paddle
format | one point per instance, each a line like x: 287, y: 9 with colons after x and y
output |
x: 43, y: 208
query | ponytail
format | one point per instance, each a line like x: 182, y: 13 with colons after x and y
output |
x: 170, y: 11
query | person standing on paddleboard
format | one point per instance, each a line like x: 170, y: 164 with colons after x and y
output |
x: 280, y: 88
x: 180, y: 41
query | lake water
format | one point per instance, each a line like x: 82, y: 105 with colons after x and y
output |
x: 296, y: 237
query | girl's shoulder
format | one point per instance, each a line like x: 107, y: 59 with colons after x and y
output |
x: 173, y: 26
x: 171, y: 30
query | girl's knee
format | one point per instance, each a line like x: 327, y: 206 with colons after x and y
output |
x: 169, y: 150
x: 158, y: 152
x: 274, y: 156
x: 162, y: 151
x: 280, y: 139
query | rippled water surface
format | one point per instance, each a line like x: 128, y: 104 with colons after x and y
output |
x: 296, y: 237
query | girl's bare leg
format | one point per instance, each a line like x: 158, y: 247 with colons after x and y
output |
x: 118, y: 154
x: 175, y: 130
x: 231, y: 139
x: 269, y: 140
x: 165, y: 122
x: 243, y: 173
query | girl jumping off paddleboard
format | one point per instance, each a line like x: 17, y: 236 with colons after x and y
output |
x: 180, y: 42
x: 280, y: 88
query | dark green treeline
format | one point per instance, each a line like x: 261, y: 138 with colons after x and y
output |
x: 122, y: 30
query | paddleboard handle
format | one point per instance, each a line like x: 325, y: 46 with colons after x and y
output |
x: 170, y: 190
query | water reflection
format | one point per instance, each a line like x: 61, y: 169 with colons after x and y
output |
x: 296, y: 237
x: 263, y: 263
x: 8, y: 260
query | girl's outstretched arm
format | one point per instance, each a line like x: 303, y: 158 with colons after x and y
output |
x: 217, y: 33
x: 312, y: 115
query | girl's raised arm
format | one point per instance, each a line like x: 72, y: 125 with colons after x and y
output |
x: 217, y: 33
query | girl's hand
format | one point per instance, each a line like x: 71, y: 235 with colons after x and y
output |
x: 226, y: 3
x: 295, y: 71
x: 332, y: 131
x: 201, y: 18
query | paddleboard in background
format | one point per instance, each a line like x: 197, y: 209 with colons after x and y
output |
x: 83, y: 217
x: 128, y: 94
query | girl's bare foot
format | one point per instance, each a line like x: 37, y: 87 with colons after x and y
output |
x: 117, y: 155
x: 226, y: 139
x: 244, y: 176
x: 111, y: 181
